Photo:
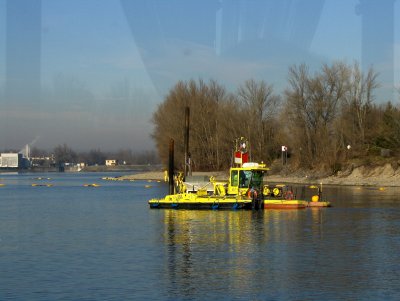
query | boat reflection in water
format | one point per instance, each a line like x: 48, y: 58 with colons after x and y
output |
x: 203, y: 245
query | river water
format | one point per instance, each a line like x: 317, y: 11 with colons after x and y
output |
x: 70, y: 242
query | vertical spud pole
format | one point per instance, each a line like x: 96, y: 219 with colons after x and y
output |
x: 171, y: 166
x: 187, y: 115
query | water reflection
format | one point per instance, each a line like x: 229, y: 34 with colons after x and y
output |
x: 198, y: 242
x: 286, y: 253
x: 106, y: 244
x: 231, y: 249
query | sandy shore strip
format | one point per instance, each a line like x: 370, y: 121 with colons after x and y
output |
x: 160, y: 175
x: 355, y: 179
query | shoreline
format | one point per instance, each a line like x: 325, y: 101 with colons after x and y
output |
x: 383, y: 176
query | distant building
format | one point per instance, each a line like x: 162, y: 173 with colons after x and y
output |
x: 11, y: 160
x: 111, y: 162
x: 42, y: 161
x: 14, y: 161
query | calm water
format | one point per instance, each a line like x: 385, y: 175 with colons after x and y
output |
x: 70, y: 242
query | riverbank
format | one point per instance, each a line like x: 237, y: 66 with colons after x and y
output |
x: 381, y: 176
x: 122, y: 168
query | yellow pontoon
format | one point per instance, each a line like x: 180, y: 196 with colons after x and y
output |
x: 244, y: 189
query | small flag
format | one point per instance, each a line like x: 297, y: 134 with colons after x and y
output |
x: 241, y: 158
x: 238, y: 157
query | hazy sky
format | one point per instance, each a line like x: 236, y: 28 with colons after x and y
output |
x: 89, y: 73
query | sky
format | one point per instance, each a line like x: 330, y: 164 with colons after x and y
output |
x: 90, y: 73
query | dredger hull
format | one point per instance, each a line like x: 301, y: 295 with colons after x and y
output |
x: 193, y: 201
x: 230, y: 202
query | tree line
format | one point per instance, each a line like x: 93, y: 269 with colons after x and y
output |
x: 326, y: 118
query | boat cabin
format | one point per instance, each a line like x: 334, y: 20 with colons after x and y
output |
x: 249, y: 176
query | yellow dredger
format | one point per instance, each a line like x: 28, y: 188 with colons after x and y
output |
x: 239, y: 192
x: 244, y: 189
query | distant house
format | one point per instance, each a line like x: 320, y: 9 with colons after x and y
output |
x: 111, y: 162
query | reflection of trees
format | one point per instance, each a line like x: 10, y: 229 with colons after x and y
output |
x: 224, y: 249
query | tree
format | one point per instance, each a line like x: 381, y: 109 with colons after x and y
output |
x: 36, y: 152
x: 206, y: 122
x: 312, y: 104
x: 322, y: 113
x: 359, y: 99
x: 389, y: 128
x: 96, y: 157
x: 64, y: 154
x: 260, y: 105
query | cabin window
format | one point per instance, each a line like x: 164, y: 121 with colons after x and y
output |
x: 244, y: 178
x: 257, y: 179
x: 234, y: 178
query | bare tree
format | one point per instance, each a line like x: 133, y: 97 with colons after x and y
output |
x: 359, y: 100
x: 260, y: 106
x: 64, y: 154
x: 387, y: 133
x: 204, y: 101
x: 312, y: 104
x: 322, y: 113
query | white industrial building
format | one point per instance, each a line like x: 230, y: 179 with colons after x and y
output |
x: 11, y: 160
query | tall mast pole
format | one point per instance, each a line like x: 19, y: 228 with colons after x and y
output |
x: 187, y: 115
x: 171, y: 166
